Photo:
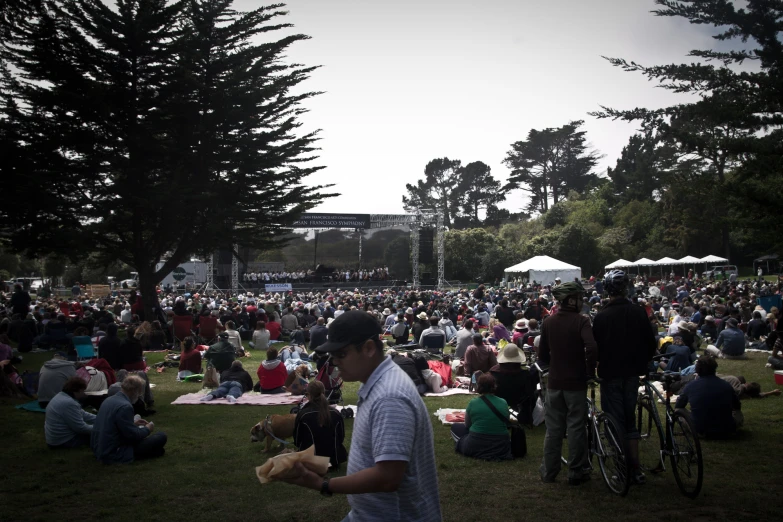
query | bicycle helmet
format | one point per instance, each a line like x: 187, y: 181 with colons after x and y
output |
x: 561, y: 292
x: 616, y: 282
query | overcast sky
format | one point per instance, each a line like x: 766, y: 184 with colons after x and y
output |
x: 408, y: 81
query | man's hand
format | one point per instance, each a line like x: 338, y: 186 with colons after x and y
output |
x: 305, y: 478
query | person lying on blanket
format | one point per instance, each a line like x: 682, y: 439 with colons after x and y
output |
x: 233, y: 383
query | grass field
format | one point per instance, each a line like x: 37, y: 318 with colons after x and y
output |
x: 208, y: 471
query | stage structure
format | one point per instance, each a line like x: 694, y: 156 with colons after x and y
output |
x: 316, y: 222
x: 413, y: 220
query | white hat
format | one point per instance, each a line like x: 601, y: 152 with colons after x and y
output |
x: 511, y: 354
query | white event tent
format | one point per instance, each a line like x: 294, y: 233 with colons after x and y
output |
x: 620, y: 263
x: 544, y: 270
x: 713, y: 259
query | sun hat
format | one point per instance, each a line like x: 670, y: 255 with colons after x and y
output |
x: 709, y: 319
x: 511, y: 354
x: 521, y: 324
x: 409, y: 311
x: 386, y: 311
x: 423, y: 316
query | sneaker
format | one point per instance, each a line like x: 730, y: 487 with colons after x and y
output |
x: 231, y: 399
x: 638, y: 478
x: 206, y: 398
x: 768, y: 365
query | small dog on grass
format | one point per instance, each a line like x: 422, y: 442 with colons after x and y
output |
x: 271, y: 427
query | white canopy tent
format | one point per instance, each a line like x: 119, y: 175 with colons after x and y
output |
x: 666, y: 261
x: 713, y: 259
x: 620, y: 263
x: 644, y: 262
x: 690, y: 260
x: 544, y: 270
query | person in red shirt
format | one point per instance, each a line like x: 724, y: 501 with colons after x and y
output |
x: 275, y: 330
x: 190, y: 358
x: 272, y: 374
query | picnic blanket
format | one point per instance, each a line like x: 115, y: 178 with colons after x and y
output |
x: 249, y: 398
x: 451, y: 391
x: 31, y: 406
x: 449, y: 416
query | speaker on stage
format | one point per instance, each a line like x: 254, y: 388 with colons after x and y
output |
x: 224, y: 256
x: 425, y: 245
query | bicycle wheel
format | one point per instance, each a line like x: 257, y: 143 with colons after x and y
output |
x: 685, y: 455
x: 650, y: 438
x: 611, y: 455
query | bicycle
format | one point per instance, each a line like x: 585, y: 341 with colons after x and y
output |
x: 681, y: 443
x: 605, y: 441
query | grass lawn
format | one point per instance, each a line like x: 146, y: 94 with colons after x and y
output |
x: 208, y: 472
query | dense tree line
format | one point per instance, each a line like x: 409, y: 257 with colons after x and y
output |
x: 698, y: 178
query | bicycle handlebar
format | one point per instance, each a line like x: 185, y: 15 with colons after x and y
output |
x: 663, y: 377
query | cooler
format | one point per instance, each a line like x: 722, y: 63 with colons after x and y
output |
x: 779, y: 377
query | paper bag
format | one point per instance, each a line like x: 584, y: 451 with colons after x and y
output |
x: 282, y: 466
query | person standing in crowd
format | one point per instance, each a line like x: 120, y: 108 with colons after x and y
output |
x: 626, y: 345
x: 391, y: 467
x: 568, y: 346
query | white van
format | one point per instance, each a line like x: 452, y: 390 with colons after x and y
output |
x: 722, y: 271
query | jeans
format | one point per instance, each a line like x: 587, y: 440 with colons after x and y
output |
x: 776, y: 362
x: 618, y: 399
x: 232, y: 388
x: 150, y: 447
x: 565, y: 411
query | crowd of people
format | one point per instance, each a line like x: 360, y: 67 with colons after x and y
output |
x: 609, y: 328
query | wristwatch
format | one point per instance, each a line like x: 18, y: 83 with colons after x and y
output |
x: 325, y: 488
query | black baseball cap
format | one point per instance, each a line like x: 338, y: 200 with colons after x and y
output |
x: 352, y: 327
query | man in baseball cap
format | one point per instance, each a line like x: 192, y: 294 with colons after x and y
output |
x: 392, y: 470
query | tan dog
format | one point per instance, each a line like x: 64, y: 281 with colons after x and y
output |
x: 273, y: 426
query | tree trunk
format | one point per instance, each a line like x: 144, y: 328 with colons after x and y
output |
x: 149, y: 295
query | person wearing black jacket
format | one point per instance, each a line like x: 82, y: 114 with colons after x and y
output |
x: 233, y: 383
x: 109, y: 347
x: 626, y: 345
x: 318, y: 424
x: 505, y: 315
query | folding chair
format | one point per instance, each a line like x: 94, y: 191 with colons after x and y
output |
x: 207, y: 329
x: 84, y: 348
x: 181, y: 327
x: 434, y: 343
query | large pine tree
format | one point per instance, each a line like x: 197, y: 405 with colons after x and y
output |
x: 551, y: 163
x: 150, y: 130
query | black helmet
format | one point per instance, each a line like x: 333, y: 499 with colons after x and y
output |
x: 615, y: 282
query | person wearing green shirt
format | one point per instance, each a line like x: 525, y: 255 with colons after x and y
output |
x: 484, y: 434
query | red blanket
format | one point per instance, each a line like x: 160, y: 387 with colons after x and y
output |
x: 442, y: 369
x: 103, y: 366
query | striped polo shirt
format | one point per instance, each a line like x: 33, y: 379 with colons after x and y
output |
x: 392, y: 423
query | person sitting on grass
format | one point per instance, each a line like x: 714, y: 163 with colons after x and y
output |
x: 221, y: 354
x: 235, y: 339
x: 272, y: 374
x: 320, y: 425
x: 67, y: 425
x: 730, y: 343
x: 53, y: 376
x: 233, y: 383
x: 715, y: 408
x: 132, y: 352
x: 190, y: 358
x: 116, y: 437
x: 484, y: 435
x: 479, y: 357
x: 260, y: 337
